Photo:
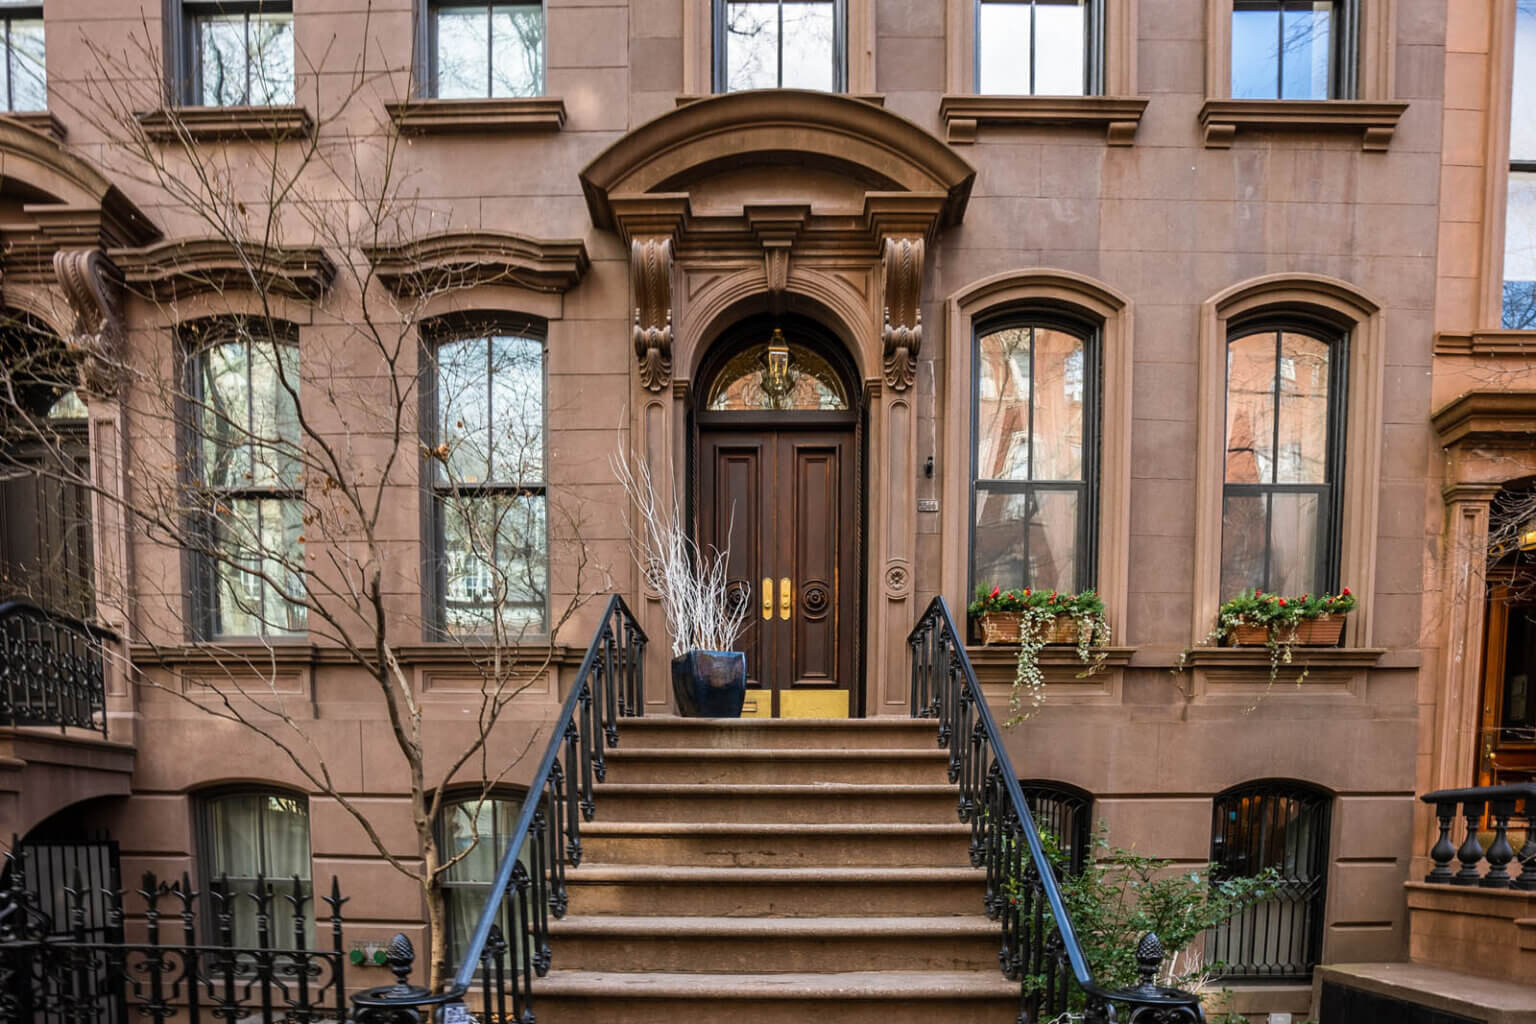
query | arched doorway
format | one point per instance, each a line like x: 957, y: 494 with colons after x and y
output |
x: 777, y: 480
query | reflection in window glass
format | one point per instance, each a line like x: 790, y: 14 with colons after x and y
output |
x: 251, y: 836
x: 489, y: 484
x: 481, y: 50
x: 1520, y: 211
x: 249, y: 480
x: 241, y: 57
x: 767, y: 44
x: 1280, y: 501
x: 1035, y: 398
x: 25, y: 66
x: 1284, y: 50
x: 1032, y: 47
x: 473, y: 836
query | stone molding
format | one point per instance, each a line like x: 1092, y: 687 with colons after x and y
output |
x: 1493, y: 343
x: 441, y: 117
x: 902, y: 333
x: 1481, y: 417
x: 183, y: 267
x: 1376, y: 121
x: 650, y: 266
x: 93, y: 287
x: 1118, y: 116
x: 41, y: 121
x: 225, y: 124
x: 464, y: 259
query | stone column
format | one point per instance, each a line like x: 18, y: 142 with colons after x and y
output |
x: 1459, y: 711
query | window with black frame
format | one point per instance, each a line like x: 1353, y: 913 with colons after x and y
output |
x: 25, y: 68
x: 1036, y: 383
x: 1281, y: 825
x: 1284, y: 458
x: 473, y: 833
x: 488, y: 488
x: 1065, y: 812
x: 780, y: 44
x: 1294, y: 49
x: 1039, y: 47
x: 245, y: 479
x: 1519, y: 305
x: 480, y: 51
x: 244, y: 837
x: 237, y: 54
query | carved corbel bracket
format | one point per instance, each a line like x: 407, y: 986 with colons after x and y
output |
x: 650, y: 271
x: 776, y: 267
x: 93, y: 285
x: 902, y: 334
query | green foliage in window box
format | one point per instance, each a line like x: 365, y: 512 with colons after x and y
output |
x: 1038, y: 612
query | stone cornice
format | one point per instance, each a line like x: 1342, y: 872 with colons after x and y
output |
x: 1118, y: 116
x: 280, y: 656
x: 1375, y: 120
x: 434, y: 116
x: 183, y: 267
x: 41, y: 121
x: 462, y: 259
x: 1487, y: 416
x: 1486, y: 343
x: 223, y: 124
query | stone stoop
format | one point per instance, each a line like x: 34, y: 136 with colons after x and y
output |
x: 757, y: 871
x: 1410, y: 993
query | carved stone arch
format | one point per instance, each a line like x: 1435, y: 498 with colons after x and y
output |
x: 1046, y: 289
x: 1363, y: 318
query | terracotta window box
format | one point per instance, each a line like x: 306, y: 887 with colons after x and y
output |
x: 1375, y: 120
x: 1323, y: 631
x: 220, y: 124
x: 445, y: 117
x: 1005, y: 628
x: 1117, y: 116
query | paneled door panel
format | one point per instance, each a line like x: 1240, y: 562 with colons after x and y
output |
x: 735, y: 515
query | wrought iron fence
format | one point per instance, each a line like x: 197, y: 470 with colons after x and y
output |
x: 1490, y: 867
x: 51, y: 669
x: 610, y: 685
x: 1040, y: 948
x: 138, y: 956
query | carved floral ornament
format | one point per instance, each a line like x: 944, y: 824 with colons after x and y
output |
x: 93, y: 286
x: 902, y: 334
x: 650, y: 265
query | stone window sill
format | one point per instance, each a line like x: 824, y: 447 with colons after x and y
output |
x: 1375, y: 120
x: 1117, y: 115
x: 1065, y: 676
x: 1258, y: 657
x: 40, y: 121
x: 1486, y: 343
x: 1240, y: 675
x: 221, y: 124
x: 445, y: 117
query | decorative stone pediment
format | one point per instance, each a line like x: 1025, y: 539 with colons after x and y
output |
x: 712, y: 173
x: 462, y: 259
x: 184, y: 267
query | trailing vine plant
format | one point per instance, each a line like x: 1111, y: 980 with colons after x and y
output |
x: 1038, y: 611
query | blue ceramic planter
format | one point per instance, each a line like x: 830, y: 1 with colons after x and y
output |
x: 710, y: 684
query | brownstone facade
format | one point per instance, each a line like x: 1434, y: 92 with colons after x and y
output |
x: 638, y: 219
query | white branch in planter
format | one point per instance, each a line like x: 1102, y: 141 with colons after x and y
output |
x: 702, y: 610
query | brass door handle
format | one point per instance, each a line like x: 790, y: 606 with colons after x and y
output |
x: 767, y: 598
x: 786, y: 599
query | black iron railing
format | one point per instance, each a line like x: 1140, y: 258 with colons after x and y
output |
x: 51, y: 669
x: 1487, y: 868
x: 83, y: 966
x: 1039, y: 946
x: 610, y: 685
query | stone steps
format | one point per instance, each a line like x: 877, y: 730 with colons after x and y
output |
x: 782, y: 766
x: 759, y: 844
x: 823, y: 803
x: 844, y: 734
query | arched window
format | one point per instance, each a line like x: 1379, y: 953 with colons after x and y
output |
x: 1282, y: 825
x: 472, y: 836
x: 247, y: 477
x: 1281, y: 504
x: 1066, y: 812
x: 490, y: 534
x: 246, y: 838
x: 1034, y: 453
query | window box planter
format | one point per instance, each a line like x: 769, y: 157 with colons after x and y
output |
x: 1007, y: 628
x: 1323, y: 631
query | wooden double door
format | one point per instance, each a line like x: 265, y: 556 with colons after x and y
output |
x: 780, y: 490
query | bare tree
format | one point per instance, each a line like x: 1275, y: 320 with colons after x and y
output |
x: 272, y: 494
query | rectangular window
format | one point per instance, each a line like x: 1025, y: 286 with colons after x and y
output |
x: 1280, y: 500
x: 247, y: 486
x: 1034, y: 454
x: 1038, y: 47
x: 25, y: 69
x: 1293, y: 49
x: 780, y: 44
x: 492, y: 560
x: 238, y: 54
x: 1520, y: 211
x: 247, y: 839
x: 485, y: 50
x: 472, y: 836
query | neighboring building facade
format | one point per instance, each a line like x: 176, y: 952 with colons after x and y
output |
x: 1157, y: 299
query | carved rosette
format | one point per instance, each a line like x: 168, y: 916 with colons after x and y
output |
x: 93, y: 286
x: 902, y: 335
x: 650, y: 267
